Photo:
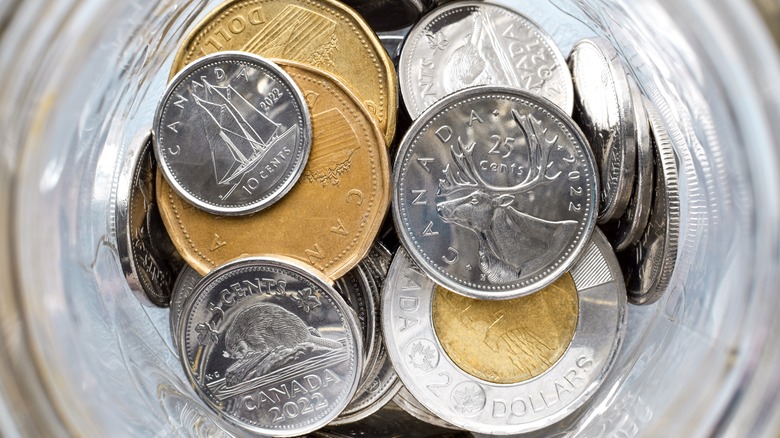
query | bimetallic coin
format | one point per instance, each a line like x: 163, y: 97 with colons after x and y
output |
x: 388, y: 15
x: 322, y: 34
x: 232, y: 133
x: 328, y: 220
x: 270, y: 346
x: 648, y: 265
x: 149, y: 260
x: 494, y: 192
x: 185, y: 284
x: 603, y: 107
x: 408, y: 403
x: 484, y: 406
x: 469, y: 43
x: 628, y: 229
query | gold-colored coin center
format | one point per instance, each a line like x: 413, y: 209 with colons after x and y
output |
x: 507, y: 341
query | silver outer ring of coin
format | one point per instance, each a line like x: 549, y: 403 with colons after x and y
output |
x: 408, y: 403
x: 598, y: 73
x: 519, y: 249
x: 149, y: 260
x: 649, y: 264
x: 326, y: 380
x: 445, y: 48
x: 236, y: 157
x: 186, y: 282
x: 484, y: 407
x: 628, y: 229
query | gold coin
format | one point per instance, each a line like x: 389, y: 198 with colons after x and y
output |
x: 507, y: 341
x: 323, y: 34
x: 328, y: 220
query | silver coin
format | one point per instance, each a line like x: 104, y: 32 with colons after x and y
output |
x: 392, y: 41
x: 603, y: 107
x: 628, y: 229
x: 495, y: 192
x: 485, y: 407
x: 270, y: 346
x: 469, y: 43
x: 388, y: 15
x: 182, y: 289
x: 408, y: 403
x: 649, y: 264
x: 232, y: 133
x: 149, y: 260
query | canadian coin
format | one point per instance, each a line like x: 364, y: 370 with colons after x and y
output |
x: 469, y: 43
x: 182, y: 289
x: 388, y: 15
x: 483, y: 406
x: 149, y: 260
x: 408, y: 403
x: 603, y: 107
x: 328, y: 220
x: 355, y: 288
x: 323, y: 34
x: 648, y: 265
x: 628, y: 229
x: 494, y: 192
x: 232, y: 133
x: 270, y: 346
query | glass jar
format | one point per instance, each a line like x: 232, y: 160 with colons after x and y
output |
x: 80, y: 356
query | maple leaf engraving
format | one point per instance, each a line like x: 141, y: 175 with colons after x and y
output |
x: 206, y: 333
x: 469, y: 398
x: 437, y: 41
x: 422, y: 356
x: 306, y: 299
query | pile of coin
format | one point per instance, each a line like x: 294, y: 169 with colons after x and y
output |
x: 492, y: 302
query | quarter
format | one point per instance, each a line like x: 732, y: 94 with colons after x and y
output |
x: 494, y: 192
x: 469, y: 43
x: 532, y: 400
x: 232, y: 133
x: 270, y: 346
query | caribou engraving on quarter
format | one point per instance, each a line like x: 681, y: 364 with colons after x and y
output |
x: 233, y: 133
x: 494, y: 192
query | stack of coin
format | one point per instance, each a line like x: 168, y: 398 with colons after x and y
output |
x: 492, y: 302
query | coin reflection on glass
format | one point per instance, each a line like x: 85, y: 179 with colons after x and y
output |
x: 521, y: 337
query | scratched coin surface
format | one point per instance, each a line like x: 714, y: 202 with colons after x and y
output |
x: 323, y: 34
x: 603, y: 107
x: 482, y: 406
x: 182, y: 289
x: 469, y: 43
x: 270, y: 346
x: 628, y: 228
x: 149, y: 260
x: 648, y: 265
x: 328, y: 220
x: 520, y: 338
x: 494, y: 192
x: 232, y: 133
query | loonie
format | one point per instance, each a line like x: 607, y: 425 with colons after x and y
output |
x: 232, y: 133
x: 564, y: 382
x: 469, y: 43
x: 603, y: 107
x: 323, y: 34
x: 149, y: 260
x: 270, y: 346
x: 494, y: 192
x: 328, y: 220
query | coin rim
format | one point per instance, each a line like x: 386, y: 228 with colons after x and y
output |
x: 303, y: 146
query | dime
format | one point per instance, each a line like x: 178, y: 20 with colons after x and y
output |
x: 328, y: 220
x: 628, y: 229
x: 323, y: 34
x: 149, y: 260
x: 494, y: 192
x: 648, y: 265
x: 388, y: 15
x: 185, y: 284
x: 270, y: 346
x: 408, y: 403
x: 483, y: 406
x: 232, y: 133
x: 603, y: 107
x: 470, y: 43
